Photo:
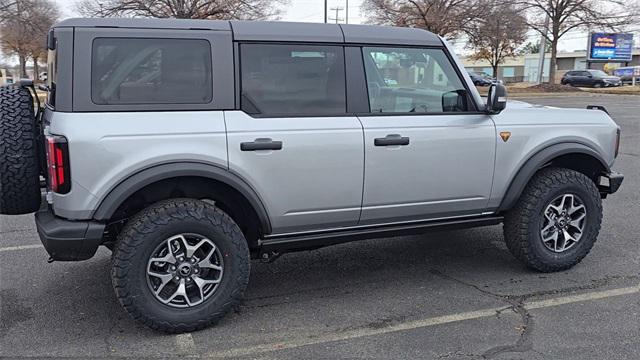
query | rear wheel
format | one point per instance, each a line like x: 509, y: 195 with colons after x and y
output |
x: 556, y: 221
x: 19, y: 161
x: 180, y: 265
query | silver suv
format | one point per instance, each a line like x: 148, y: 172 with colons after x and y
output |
x: 189, y: 147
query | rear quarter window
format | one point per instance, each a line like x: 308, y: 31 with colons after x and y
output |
x: 151, y: 71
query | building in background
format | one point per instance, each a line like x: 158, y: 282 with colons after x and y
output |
x: 4, y: 76
x: 525, y: 68
x: 10, y: 75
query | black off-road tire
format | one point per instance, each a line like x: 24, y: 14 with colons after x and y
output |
x: 522, y: 224
x: 144, y: 232
x: 19, y: 162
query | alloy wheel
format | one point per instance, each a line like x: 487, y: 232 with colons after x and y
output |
x: 563, y: 223
x: 185, y: 270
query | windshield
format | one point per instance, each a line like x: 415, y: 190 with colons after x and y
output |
x: 598, y: 73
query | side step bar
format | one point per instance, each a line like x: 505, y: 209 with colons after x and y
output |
x: 287, y: 243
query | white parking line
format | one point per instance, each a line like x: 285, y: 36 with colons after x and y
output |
x: 582, y: 297
x: 185, y: 344
x: 410, y: 325
x: 21, y: 247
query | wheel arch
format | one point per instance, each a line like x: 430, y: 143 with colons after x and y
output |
x: 110, y: 204
x: 575, y: 156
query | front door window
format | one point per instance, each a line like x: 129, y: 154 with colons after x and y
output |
x: 410, y: 80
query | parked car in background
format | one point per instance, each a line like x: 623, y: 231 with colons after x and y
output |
x: 593, y: 78
x: 481, y: 78
x: 6, y: 80
x: 627, y: 73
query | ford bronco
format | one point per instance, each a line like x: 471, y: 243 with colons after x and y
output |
x: 189, y: 147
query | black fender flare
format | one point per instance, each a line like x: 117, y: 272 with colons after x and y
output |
x: 137, y: 181
x: 538, y: 161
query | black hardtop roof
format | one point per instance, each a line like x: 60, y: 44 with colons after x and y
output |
x: 274, y: 30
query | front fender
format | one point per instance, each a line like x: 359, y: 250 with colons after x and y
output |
x: 538, y: 161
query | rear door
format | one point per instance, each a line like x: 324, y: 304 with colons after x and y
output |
x: 292, y: 140
x: 570, y: 77
x: 428, y: 152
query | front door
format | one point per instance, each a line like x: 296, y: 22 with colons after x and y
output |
x: 293, y: 141
x: 428, y: 152
x: 583, y: 78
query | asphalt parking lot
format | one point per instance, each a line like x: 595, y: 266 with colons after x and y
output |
x: 448, y: 295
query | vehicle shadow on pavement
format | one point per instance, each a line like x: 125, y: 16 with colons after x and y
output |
x: 367, y: 284
x: 79, y: 297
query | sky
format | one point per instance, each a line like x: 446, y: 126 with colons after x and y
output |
x: 296, y: 10
x: 312, y: 11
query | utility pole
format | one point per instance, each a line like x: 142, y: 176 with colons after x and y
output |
x: 325, y: 11
x: 346, y: 12
x: 542, y: 48
x: 589, y: 37
x: 337, y: 9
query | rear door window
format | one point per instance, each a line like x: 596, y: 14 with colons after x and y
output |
x: 292, y: 80
x: 151, y: 71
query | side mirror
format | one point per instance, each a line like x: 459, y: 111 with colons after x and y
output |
x: 454, y: 101
x: 497, y: 99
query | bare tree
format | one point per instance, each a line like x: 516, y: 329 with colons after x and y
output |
x: 41, y: 15
x: 497, y: 34
x: 183, y: 9
x: 533, y: 47
x: 24, y: 28
x: 448, y: 18
x: 13, y: 41
x: 567, y: 15
x: 5, y: 9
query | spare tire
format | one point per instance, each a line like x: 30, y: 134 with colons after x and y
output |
x: 19, y: 163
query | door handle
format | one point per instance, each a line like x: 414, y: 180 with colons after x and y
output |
x: 261, y: 144
x: 391, y: 140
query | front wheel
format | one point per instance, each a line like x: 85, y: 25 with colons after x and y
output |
x: 180, y: 265
x: 556, y: 221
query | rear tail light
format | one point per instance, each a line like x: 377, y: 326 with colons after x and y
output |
x: 617, y: 142
x: 58, y: 164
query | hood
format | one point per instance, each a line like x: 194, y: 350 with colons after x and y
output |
x: 517, y: 104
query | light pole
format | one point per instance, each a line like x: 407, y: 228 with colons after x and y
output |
x: 542, y: 49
